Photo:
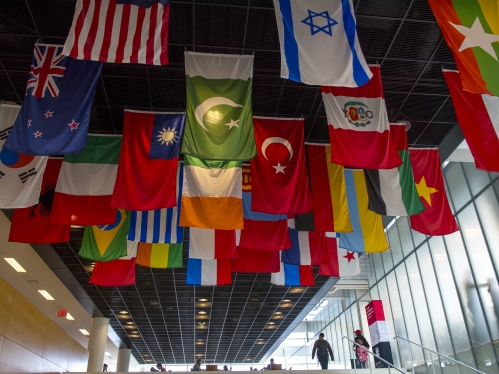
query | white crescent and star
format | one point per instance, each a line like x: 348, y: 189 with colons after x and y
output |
x: 275, y: 139
x: 206, y: 105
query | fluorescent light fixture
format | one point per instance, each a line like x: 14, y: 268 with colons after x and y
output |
x: 12, y: 262
x: 107, y: 353
x: 84, y: 332
x: 123, y: 312
x: 69, y: 317
x: 46, y: 295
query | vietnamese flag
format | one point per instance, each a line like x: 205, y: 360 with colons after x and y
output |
x: 437, y: 218
x: 32, y: 225
x: 279, y: 175
x: 147, y: 170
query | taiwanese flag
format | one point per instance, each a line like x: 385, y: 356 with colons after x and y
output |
x: 120, y: 272
x: 359, y: 130
x: 148, y: 163
x: 280, y: 183
x: 307, y: 247
x: 437, y: 218
x: 254, y: 261
x: 212, y: 244
x: 262, y: 231
x: 208, y: 272
x: 32, y: 225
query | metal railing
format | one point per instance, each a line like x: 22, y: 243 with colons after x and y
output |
x: 440, y: 354
x: 374, y: 355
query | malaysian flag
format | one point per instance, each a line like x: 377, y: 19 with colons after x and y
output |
x: 120, y: 31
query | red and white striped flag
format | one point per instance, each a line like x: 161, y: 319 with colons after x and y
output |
x: 120, y: 31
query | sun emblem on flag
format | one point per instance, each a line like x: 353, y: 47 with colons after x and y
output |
x: 357, y: 113
x: 167, y: 136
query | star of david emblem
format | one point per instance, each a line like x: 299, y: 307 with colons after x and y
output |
x: 316, y: 28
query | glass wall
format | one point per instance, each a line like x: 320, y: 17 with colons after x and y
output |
x: 438, y: 292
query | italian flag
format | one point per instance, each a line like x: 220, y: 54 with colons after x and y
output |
x: 86, y: 182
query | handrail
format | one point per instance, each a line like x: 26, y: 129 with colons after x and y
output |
x: 375, y: 355
x: 440, y: 354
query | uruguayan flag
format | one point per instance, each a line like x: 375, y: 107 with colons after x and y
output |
x: 319, y: 43
x: 161, y: 225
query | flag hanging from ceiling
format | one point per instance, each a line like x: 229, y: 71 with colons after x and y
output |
x: 211, y: 244
x: 262, y: 231
x: 20, y: 175
x: 55, y: 114
x: 359, y: 130
x: 120, y: 31
x: 319, y: 43
x: 392, y: 192
x: 85, y: 184
x: 208, y: 272
x: 161, y: 225
x: 471, y: 29
x: 147, y: 170
x: 160, y: 256
x: 219, y: 114
x: 307, y: 247
x: 342, y: 263
x: 116, y: 273
x: 293, y: 275
x: 279, y: 175
x: 32, y: 225
x: 212, y: 194
x: 368, y: 235
x: 479, y: 119
x: 255, y: 261
x: 437, y: 218
x: 106, y: 242
x: 328, y: 191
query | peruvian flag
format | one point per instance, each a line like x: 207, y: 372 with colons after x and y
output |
x: 343, y: 263
x: 478, y: 116
x: 254, y: 261
x: 211, y: 244
x: 359, y: 130
x: 279, y: 175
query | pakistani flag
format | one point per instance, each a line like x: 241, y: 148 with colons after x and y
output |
x: 219, y: 123
x: 392, y: 192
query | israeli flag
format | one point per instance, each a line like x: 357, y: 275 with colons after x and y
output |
x: 319, y: 43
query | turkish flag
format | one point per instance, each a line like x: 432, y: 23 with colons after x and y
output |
x: 437, y: 218
x: 279, y: 175
x: 32, y: 225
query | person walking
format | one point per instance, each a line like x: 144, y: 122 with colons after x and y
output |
x: 359, y: 339
x: 160, y: 367
x: 197, y: 365
x: 324, y: 350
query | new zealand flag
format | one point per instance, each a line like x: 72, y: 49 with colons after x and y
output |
x: 55, y: 114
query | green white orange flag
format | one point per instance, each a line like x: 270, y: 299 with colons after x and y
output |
x: 471, y: 29
x: 219, y: 120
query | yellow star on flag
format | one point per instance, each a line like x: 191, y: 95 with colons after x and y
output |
x: 424, y: 191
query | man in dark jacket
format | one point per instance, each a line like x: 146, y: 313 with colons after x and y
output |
x: 324, y: 350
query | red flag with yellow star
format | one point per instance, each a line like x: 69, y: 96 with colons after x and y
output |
x: 437, y: 218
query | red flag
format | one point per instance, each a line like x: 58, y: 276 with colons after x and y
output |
x: 114, y: 273
x: 252, y: 261
x: 343, y: 263
x: 279, y: 181
x: 147, y: 170
x: 477, y: 115
x: 358, y: 125
x: 32, y: 225
x: 437, y: 218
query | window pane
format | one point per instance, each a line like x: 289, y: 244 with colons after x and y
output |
x: 378, y: 265
x: 404, y: 230
x: 477, y: 179
x: 395, y: 246
x: 488, y: 210
x: 387, y: 260
x: 372, y: 273
x: 383, y: 295
x: 456, y: 184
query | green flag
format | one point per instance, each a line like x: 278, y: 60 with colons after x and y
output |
x: 219, y: 120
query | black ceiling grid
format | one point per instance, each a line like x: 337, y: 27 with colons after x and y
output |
x: 402, y: 36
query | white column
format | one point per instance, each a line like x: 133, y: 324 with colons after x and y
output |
x: 123, y: 360
x: 97, y: 344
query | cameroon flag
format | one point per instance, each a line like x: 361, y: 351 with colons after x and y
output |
x: 106, y: 242
x: 160, y: 256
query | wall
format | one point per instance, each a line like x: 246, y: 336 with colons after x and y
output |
x: 31, y: 342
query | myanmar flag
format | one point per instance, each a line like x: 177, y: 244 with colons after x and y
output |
x: 160, y: 256
x: 107, y: 242
x: 219, y: 122
x: 392, y: 192
x: 471, y: 29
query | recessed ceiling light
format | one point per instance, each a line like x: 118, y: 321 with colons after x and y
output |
x: 201, y: 312
x: 278, y: 313
x: 129, y: 323
x: 107, y: 353
x: 271, y: 323
x: 261, y: 339
x: 84, y: 332
x: 203, y: 299
x: 287, y: 300
x: 46, y: 295
x: 123, y: 312
x: 17, y: 267
x: 69, y: 317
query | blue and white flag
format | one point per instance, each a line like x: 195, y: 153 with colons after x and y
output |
x: 319, y: 43
x: 293, y: 275
x: 161, y: 225
x: 55, y: 114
